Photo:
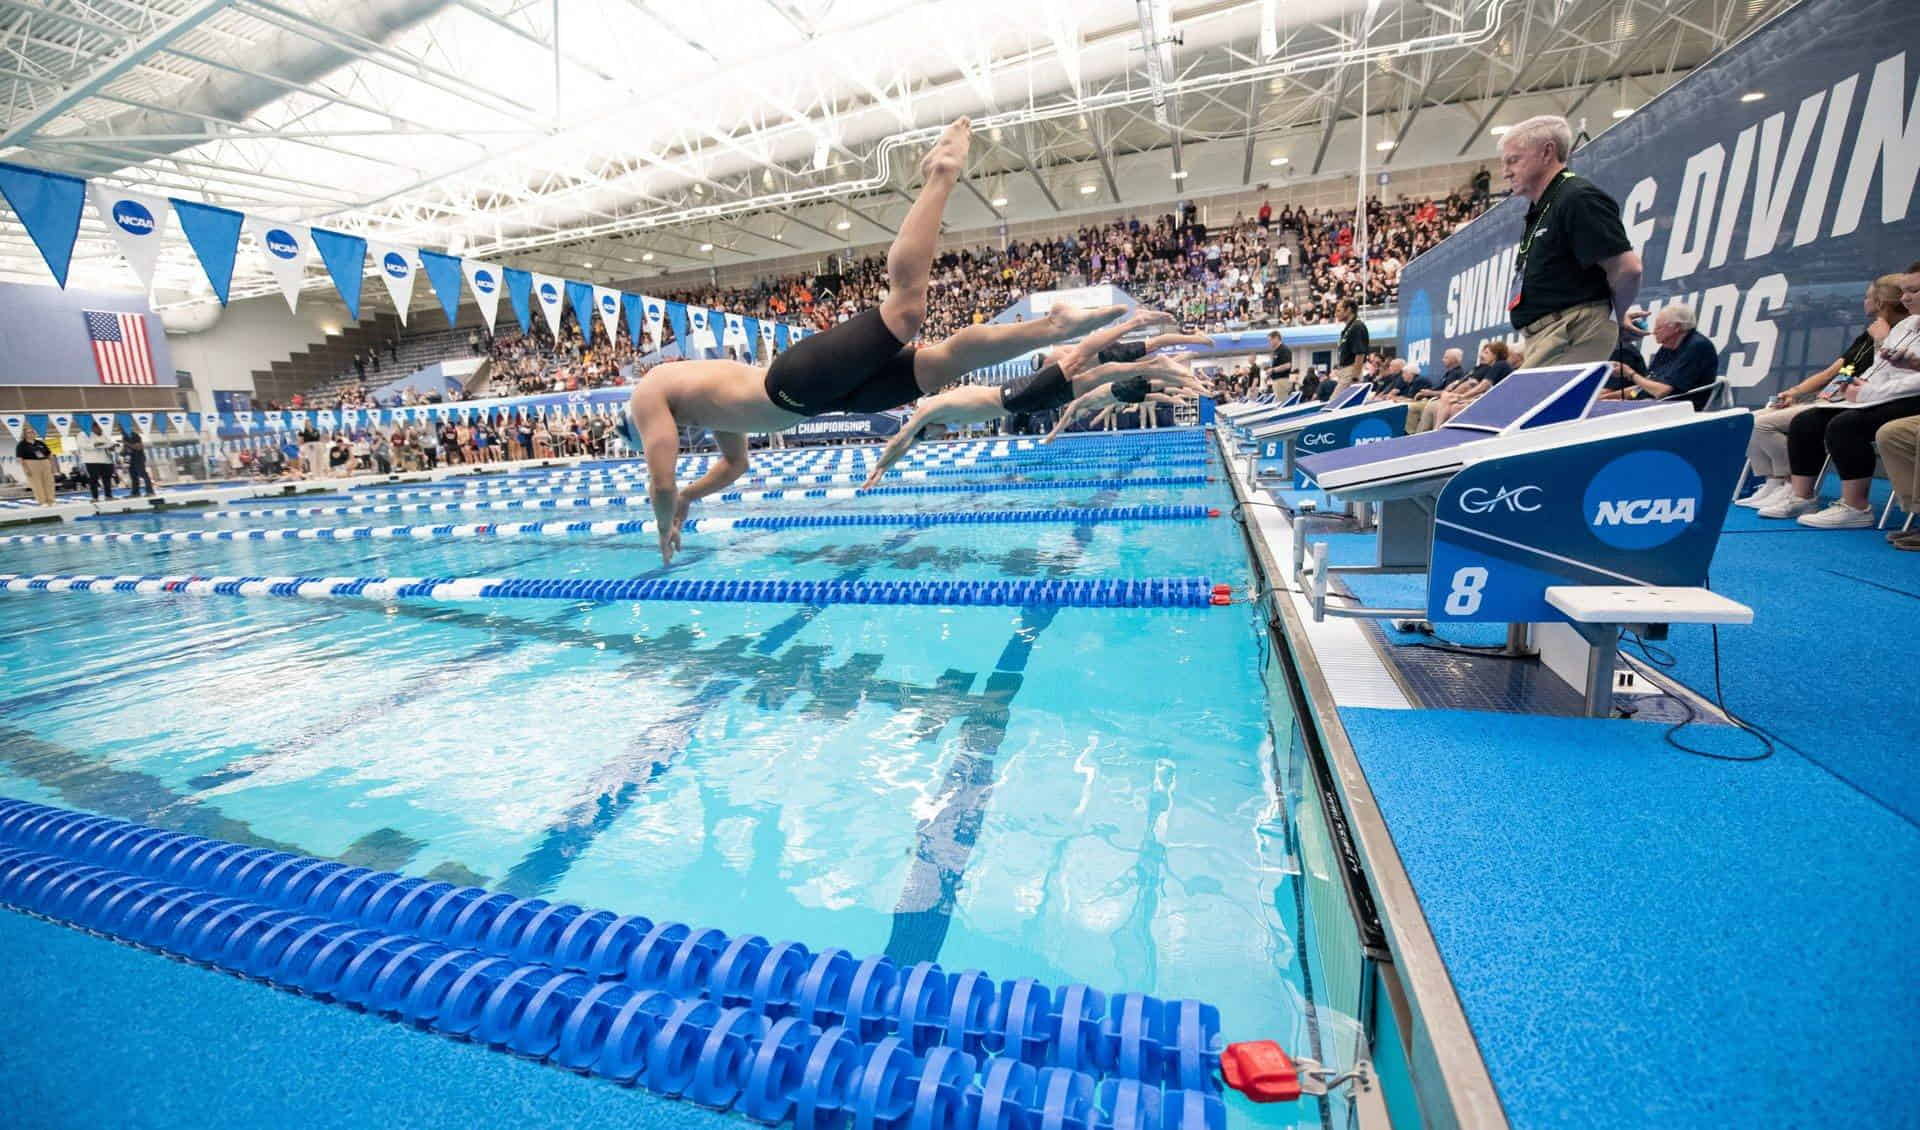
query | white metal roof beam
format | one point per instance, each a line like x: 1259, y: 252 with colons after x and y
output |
x: 140, y: 52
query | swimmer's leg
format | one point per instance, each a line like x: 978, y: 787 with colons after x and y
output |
x: 977, y: 347
x: 972, y: 404
x: 910, y: 259
x: 1167, y: 373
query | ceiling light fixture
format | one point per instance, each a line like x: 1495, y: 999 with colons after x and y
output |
x: 1622, y: 112
x: 1753, y: 96
x: 1088, y: 190
x: 1276, y: 162
x: 842, y: 225
x: 647, y: 258
x: 1179, y: 174
x: 706, y: 247
x: 999, y: 202
x: 1382, y: 146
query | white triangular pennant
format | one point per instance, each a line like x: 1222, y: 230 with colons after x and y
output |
x: 136, y: 222
x: 15, y: 423
x: 176, y: 421
x: 143, y: 420
x: 766, y: 340
x: 700, y: 335
x: 607, y: 301
x: 62, y: 422
x: 736, y: 333
x: 486, y: 283
x: 397, y: 266
x: 285, y: 249
x: 656, y: 311
x: 552, y: 295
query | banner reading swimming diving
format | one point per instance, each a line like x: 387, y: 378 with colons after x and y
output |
x: 1643, y: 509
x: 1768, y: 217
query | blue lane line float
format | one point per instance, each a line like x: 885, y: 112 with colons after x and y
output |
x: 1065, y: 515
x: 640, y: 499
x: 775, y: 1032
x: 638, y: 479
x: 1164, y: 592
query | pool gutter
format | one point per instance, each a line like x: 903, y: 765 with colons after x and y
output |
x: 1451, y: 1081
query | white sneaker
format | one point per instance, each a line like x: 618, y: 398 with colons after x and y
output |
x: 1767, y: 495
x: 1839, y: 516
x: 1790, y: 507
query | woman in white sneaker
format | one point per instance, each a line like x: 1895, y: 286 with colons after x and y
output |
x: 1767, y: 450
x: 1888, y: 391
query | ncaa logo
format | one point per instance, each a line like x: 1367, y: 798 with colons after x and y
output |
x: 548, y: 293
x: 1642, y: 500
x: 483, y: 281
x: 1517, y: 500
x: 607, y: 303
x: 395, y: 265
x: 133, y: 217
x: 1371, y: 431
x: 1417, y: 330
x: 281, y: 244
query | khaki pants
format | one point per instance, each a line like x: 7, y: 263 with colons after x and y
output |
x: 1420, y: 414
x: 1574, y: 336
x: 1899, y: 443
x: 1282, y: 388
x: 1343, y: 377
x: 1767, y: 449
x: 40, y: 478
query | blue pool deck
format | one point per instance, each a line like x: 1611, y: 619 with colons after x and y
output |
x: 1639, y: 937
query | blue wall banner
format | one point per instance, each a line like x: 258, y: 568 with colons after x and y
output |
x: 843, y: 425
x: 48, y: 204
x: 1769, y: 217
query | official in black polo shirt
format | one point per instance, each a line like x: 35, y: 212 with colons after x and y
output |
x: 1280, y: 379
x: 1354, y: 344
x: 1576, y: 274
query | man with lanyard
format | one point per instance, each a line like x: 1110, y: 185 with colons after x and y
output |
x: 1280, y: 378
x: 1576, y: 274
x: 1354, y: 344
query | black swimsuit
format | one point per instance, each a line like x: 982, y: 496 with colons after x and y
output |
x: 857, y: 366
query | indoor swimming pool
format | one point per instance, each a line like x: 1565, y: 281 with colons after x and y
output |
x: 1072, y: 794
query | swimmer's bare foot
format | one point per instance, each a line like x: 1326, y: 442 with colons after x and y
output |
x: 1147, y: 317
x: 949, y: 154
x: 1073, y: 321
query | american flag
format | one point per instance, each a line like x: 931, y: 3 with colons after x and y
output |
x: 120, y: 349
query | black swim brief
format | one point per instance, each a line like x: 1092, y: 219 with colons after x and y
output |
x: 1041, y: 392
x: 1123, y: 352
x: 857, y: 366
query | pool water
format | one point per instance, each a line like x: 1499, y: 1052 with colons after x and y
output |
x: 1069, y: 794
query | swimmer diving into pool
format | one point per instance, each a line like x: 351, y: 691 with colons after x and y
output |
x: 864, y: 364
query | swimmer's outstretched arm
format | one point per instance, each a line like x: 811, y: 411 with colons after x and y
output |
x: 1163, y: 369
x: 1103, y: 405
x: 730, y: 466
x: 968, y: 404
x: 1166, y: 341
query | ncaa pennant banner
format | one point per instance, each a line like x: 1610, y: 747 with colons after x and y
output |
x: 135, y: 222
x: 485, y: 281
x: 395, y: 265
x: 520, y: 289
x: 606, y: 301
x: 734, y: 334
x: 176, y: 421
x: 143, y: 420
x: 49, y: 206
x: 62, y: 422
x: 636, y: 317
x: 552, y: 293
x: 214, y: 234
x: 655, y: 311
x: 14, y: 422
x: 285, y: 249
x: 345, y: 256
x: 443, y: 271
x: 766, y: 340
x: 580, y: 295
x: 700, y: 338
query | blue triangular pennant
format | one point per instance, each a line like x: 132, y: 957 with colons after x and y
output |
x: 520, y: 290
x: 636, y: 317
x: 677, y: 318
x: 581, y: 295
x: 753, y: 348
x: 443, y: 271
x: 781, y: 336
x: 215, y: 235
x: 345, y: 257
x: 49, y: 205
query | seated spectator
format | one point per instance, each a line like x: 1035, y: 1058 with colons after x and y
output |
x: 1899, y: 444
x: 1493, y: 369
x: 1767, y: 449
x: 339, y: 458
x: 1424, y: 401
x: 1686, y: 362
x: 1844, y: 428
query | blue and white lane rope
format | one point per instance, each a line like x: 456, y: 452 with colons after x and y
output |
x: 588, y: 502
x: 770, y: 1030
x: 1067, y: 515
x: 638, y: 477
x: 1169, y: 592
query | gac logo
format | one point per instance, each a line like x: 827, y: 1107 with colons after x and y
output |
x: 1517, y: 500
x: 1644, y: 511
x: 1318, y: 439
